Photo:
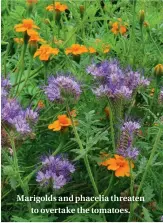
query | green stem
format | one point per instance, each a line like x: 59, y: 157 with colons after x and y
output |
x: 155, y: 44
x: 20, y: 67
x: 132, y: 103
x: 86, y: 161
x: 155, y: 146
x: 31, y: 76
x: 5, y: 57
x: 27, y: 178
x: 132, y: 39
x: 112, y: 125
x: 131, y: 193
x: 28, y: 75
x: 22, y: 184
x: 143, y: 46
x: 154, y: 99
x: 106, y: 192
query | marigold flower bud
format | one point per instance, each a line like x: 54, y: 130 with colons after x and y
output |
x: 146, y: 25
x: 47, y: 21
x: 57, y: 16
x: 158, y: 70
x: 107, y: 112
x: 81, y: 10
x: 141, y: 16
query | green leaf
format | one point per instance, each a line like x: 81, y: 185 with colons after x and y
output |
x: 147, y: 215
x: 148, y: 193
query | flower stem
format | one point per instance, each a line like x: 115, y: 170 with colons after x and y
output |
x: 155, y: 146
x: 20, y: 67
x: 32, y: 75
x: 28, y: 75
x: 112, y: 125
x: 22, y: 184
x: 131, y: 193
x: 86, y: 160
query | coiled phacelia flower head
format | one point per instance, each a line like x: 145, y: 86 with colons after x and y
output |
x: 56, y: 172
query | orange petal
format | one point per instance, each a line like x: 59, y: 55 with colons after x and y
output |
x: 20, y: 29
x: 57, y: 126
x: 51, y: 126
x: 37, y: 53
x: 123, y: 29
x: 35, y: 27
x: 120, y: 172
x: 113, y: 166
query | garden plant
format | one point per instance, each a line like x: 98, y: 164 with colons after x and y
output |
x: 82, y: 111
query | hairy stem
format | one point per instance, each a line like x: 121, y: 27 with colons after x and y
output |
x: 155, y: 146
x: 22, y: 184
x: 112, y: 125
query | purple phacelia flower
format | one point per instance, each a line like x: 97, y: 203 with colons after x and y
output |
x: 123, y: 92
x: 102, y: 90
x: 5, y: 86
x: 60, y: 87
x: 10, y: 109
x: 13, y: 114
x: 21, y: 124
x: 114, y: 81
x: 56, y: 171
x: 126, y: 148
x: 129, y: 152
x: 31, y: 115
x: 130, y: 126
x: 161, y: 97
x: 161, y: 219
x: 58, y: 181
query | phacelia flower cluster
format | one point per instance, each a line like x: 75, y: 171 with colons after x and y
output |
x: 5, y: 87
x: 161, y: 97
x: 115, y: 82
x: 126, y: 148
x: 13, y: 114
x: 60, y: 87
x: 55, y: 172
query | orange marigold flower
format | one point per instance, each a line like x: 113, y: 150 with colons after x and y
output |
x: 76, y: 49
x: 117, y: 27
x: 57, y: 42
x: 34, y: 37
x: 26, y: 26
x: 45, y: 51
x: 57, y: 6
x: 123, y: 30
x: 73, y: 113
x: 62, y: 122
x: 106, y: 48
x: 118, y: 164
x: 91, y: 50
x: 19, y: 40
x: 40, y: 104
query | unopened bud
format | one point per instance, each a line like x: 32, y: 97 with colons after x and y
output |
x: 57, y: 17
x: 81, y: 10
x: 158, y: 70
x: 141, y: 16
x: 47, y: 21
x: 146, y: 25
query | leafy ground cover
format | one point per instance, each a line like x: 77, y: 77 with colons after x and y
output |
x: 82, y: 107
